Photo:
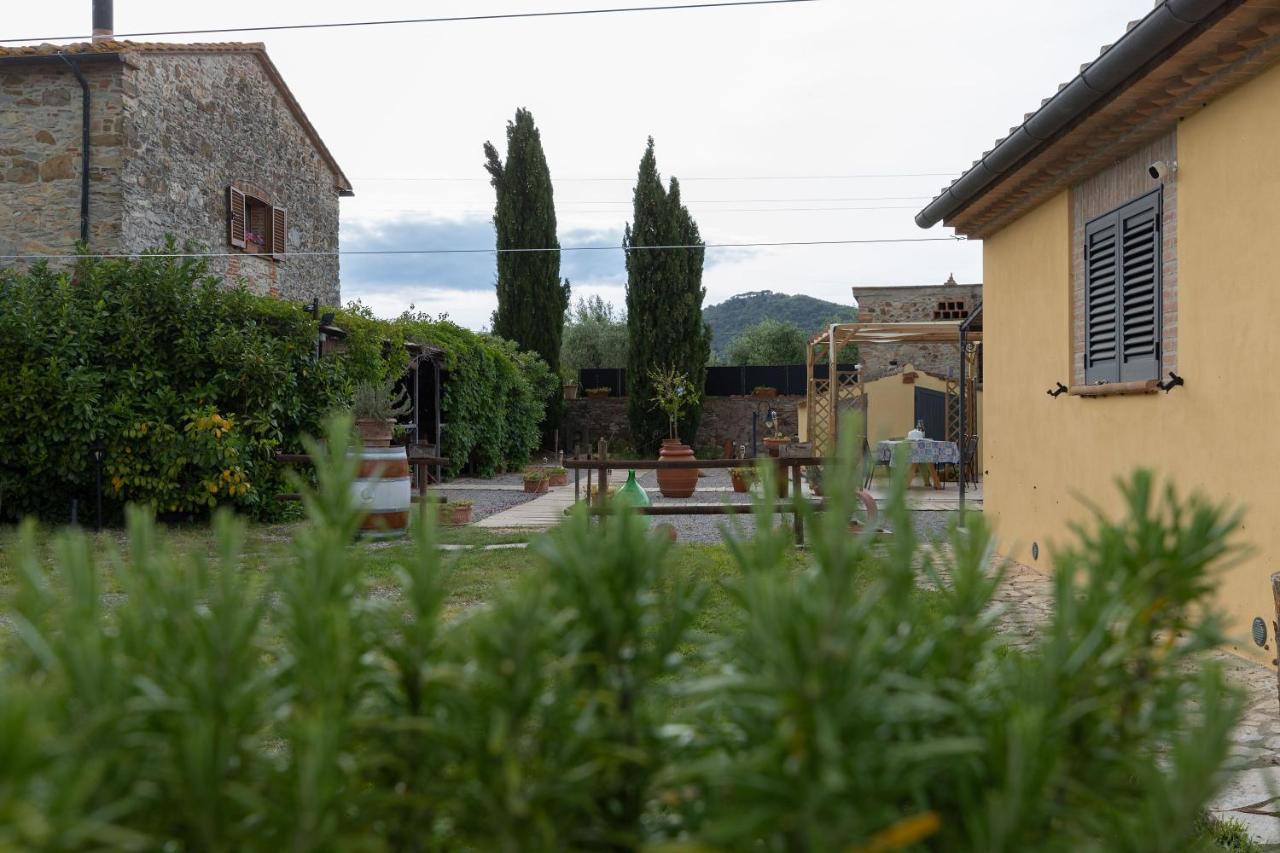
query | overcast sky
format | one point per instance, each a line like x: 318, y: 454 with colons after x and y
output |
x: 778, y: 94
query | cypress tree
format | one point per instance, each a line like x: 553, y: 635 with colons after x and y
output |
x: 532, y: 299
x: 664, y: 303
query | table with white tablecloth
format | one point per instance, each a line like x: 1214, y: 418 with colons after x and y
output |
x: 924, y: 454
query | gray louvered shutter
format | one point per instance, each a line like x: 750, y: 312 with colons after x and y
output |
x: 1101, y: 301
x: 1139, y: 225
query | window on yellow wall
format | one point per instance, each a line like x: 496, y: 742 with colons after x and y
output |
x: 1122, y: 293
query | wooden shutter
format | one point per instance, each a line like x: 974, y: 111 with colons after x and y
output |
x: 1102, y: 303
x: 235, y: 217
x: 1140, y: 289
x: 1122, y: 293
x: 279, y: 232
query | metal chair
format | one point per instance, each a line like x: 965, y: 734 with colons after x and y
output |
x: 872, y: 463
x: 969, y: 460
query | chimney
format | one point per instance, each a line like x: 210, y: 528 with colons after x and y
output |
x: 103, y: 25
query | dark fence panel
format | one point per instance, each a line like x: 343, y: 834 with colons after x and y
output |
x: 788, y: 379
x: 721, y: 382
x: 613, y: 378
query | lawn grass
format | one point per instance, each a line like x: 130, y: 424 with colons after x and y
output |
x: 475, y: 575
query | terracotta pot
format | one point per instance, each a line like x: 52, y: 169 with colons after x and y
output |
x: 571, y: 392
x: 536, y: 487
x: 676, y: 482
x: 455, y: 516
x: 374, y: 432
x: 597, y: 395
x: 765, y: 393
x: 558, y: 479
x: 741, y: 483
x: 775, y: 445
x: 783, y: 485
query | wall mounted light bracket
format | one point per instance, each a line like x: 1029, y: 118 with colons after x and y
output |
x: 1172, y: 382
x: 1055, y: 392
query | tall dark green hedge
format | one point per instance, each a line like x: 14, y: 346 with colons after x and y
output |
x: 532, y: 298
x: 664, y: 303
x: 190, y: 388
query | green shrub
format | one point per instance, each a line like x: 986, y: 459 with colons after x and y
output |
x: 862, y: 702
x: 191, y: 388
x: 187, y: 385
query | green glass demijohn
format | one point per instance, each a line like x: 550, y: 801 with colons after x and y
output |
x: 632, y: 493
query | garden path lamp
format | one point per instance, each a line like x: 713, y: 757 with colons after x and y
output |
x: 99, y: 451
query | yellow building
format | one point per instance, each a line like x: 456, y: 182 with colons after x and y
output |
x: 1131, y: 233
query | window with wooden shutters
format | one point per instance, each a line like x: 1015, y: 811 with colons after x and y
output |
x: 279, y: 232
x: 1122, y: 293
x: 235, y: 217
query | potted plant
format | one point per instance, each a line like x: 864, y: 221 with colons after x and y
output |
x: 742, y: 478
x: 764, y: 392
x: 674, y: 394
x: 596, y: 393
x: 571, y: 390
x: 376, y: 407
x: 455, y: 512
x: 557, y: 475
x: 535, y: 480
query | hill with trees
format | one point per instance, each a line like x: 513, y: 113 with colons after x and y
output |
x: 730, y: 318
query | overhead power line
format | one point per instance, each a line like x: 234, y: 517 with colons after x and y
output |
x: 494, y: 251
x: 563, y: 13
x: 568, y: 204
x: 865, y: 175
x: 626, y: 212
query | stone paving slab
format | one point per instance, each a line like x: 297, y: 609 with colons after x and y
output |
x: 1251, y: 794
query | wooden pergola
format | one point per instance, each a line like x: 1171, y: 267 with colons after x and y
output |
x: 833, y: 391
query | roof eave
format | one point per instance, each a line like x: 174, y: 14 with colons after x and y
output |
x: 1110, y: 73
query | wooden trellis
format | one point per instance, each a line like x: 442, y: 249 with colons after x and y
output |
x: 831, y: 396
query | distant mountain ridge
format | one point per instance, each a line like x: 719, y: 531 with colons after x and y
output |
x: 727, y: 319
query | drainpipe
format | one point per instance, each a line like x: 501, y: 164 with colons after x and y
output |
x: 964, y: 438
x: 85, y: 98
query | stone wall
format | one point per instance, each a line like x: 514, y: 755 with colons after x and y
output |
x: 40, y: 157
x: 587, y: 421
x: 913, y: 305
x: 196, y: 124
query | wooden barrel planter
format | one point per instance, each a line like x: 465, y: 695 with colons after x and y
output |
x: 381, y: 490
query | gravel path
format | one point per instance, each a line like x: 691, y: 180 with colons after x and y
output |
x: 487, y: 502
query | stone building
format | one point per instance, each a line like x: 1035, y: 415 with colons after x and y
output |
x: 924, y: 303
x: 203, y: 142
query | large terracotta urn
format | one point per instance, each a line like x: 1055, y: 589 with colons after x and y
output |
x: 676, y: 482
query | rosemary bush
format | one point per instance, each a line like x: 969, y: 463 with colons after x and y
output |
x: 604, y: 701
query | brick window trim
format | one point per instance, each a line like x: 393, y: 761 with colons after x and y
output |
x: 1123, y: 182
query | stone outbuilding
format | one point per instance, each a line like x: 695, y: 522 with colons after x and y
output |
x: 948, y: 302
x: 118, y: 144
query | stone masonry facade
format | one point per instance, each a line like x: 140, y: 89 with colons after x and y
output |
x: 171, y: 130
x: 40, y: 112
x: 723, y: 418
x: 921, y: 304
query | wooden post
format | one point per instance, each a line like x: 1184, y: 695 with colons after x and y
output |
x: 602, y: 489
x: 833, y: 378
x: 797, y: 518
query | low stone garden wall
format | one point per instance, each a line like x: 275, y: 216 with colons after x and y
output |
x: 723, y: 418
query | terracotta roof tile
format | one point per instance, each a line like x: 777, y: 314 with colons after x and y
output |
x: 256, y: 49
x: 131, y: 47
